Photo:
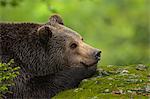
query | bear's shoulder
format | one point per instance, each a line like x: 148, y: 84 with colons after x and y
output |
x: 23, y: 25
x: 13, y: 29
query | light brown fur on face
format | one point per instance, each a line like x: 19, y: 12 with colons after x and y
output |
x: 81, y: 54
x: 76, y: 52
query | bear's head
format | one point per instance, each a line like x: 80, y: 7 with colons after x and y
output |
x: 65, y: 47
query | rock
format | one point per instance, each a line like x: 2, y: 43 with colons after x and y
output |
x: 147, y: 88
x: 133, y: 76
x: 102, y: 73
x: 138, y: 90
x: 134, y: 80
x: 117, y: 92
x: 124, y: 72
x: 141, y: 67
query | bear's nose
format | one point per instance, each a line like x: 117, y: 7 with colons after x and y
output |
x: 98, y: 54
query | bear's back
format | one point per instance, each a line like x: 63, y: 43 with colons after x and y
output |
x: 16, y: 29
x: 14, y: 32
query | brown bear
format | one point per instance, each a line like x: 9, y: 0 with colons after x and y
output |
x: 52, y: 57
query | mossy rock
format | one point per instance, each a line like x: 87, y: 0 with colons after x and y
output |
x: 113, y: 82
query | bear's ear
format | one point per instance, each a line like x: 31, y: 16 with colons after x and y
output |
x: 44, y: 33
x: 56, y: 19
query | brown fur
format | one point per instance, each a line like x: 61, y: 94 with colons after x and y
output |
x: 48, y: 64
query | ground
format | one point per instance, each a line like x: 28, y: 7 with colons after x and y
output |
x: 115, y: 82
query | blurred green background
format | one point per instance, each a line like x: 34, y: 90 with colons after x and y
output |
x: 120, y: 28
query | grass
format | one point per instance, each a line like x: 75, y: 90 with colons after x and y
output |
x: 113, y: 82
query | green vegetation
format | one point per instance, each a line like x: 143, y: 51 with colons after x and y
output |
x: 7, y: 74
x: 113, y: 82
x: 120, y: 28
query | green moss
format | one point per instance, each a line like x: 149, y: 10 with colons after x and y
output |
x: 115, y: 82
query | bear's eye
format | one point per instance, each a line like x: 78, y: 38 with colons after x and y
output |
x: 73, y: 45
x: 82, y: 39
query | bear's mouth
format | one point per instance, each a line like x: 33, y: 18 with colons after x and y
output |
x: 89, y: 65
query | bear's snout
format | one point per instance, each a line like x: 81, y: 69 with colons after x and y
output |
x: 97, y: 55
